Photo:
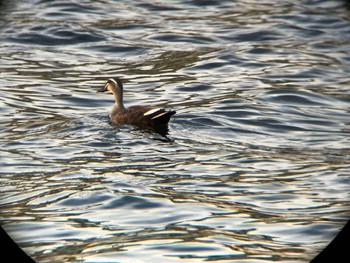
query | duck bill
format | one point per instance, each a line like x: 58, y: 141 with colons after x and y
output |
x: 104, y: 89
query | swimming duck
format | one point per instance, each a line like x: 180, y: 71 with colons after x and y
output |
x: 142, y: 116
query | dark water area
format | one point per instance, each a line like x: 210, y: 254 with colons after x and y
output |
x: 255, y: 167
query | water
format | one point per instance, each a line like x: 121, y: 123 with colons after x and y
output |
x: 255, y: 167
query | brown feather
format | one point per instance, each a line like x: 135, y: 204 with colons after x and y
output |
x: 134, y: 115
x: 142, y: 116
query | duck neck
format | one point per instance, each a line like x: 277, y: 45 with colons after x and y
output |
x: 118, y: 104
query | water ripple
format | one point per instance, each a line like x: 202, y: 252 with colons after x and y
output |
x: 261, y: 130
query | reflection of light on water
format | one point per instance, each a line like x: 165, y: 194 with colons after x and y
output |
x: 259, y: 137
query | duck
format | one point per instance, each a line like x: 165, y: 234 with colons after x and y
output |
x: 153, y: 117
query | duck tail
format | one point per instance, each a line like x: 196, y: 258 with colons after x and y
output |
x: 163, y: 117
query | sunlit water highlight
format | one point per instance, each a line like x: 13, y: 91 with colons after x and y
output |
x: 255, y: 167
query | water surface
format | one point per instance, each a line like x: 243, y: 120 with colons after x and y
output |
x: 255, y: 167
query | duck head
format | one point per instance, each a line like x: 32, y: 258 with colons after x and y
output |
x: 116, y: 87
x: 113, y: 84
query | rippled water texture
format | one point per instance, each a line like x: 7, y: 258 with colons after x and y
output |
x: 255, y: 167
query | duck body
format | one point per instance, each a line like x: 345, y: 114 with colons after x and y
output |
x: 142, y: 116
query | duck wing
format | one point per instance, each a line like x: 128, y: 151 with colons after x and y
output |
x: 143, y: 116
